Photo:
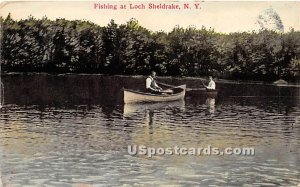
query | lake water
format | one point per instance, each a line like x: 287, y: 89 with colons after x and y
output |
x: 73, y: 130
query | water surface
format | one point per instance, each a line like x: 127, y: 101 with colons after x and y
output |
x: 74, y: 130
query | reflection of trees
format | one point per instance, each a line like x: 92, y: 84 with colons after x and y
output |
x: 63, y: 90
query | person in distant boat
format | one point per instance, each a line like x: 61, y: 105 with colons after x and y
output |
x: 211, y: 84
x: 151, y: 85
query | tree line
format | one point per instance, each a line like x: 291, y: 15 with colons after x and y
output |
x: 79, y: 46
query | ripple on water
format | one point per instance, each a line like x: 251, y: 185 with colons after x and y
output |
x: 88, y: 145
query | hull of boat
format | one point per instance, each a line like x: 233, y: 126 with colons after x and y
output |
x: 131, y: 96
x: 202, y: 92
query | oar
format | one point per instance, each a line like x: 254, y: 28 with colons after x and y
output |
x: 168, y: 91
x: 172, y: 86
x: 167, y: 85
x: 202, y: 83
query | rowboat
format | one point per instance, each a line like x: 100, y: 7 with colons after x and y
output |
x: 202, y: 92
x: 132, y: 96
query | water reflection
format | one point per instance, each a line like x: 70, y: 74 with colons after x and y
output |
x: 137, y: 108
x: 210, y: 103
x: 1, y: 92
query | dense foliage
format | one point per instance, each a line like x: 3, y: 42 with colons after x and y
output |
x: 60, y: 46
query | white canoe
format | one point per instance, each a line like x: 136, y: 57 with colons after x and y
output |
x: 131, y: 96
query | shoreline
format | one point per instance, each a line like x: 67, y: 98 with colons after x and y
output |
x: 230, y: 81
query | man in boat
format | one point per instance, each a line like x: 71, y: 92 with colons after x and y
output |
x: 151, y: 85
x: 211, y: 85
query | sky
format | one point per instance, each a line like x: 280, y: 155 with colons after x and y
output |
x: 223, y: 16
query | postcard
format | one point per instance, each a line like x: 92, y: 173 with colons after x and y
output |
x: 149, y: 93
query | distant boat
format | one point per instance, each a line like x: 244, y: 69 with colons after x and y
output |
x: 132, y: 96
x: 202, y: 92
x: 280, y: 82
